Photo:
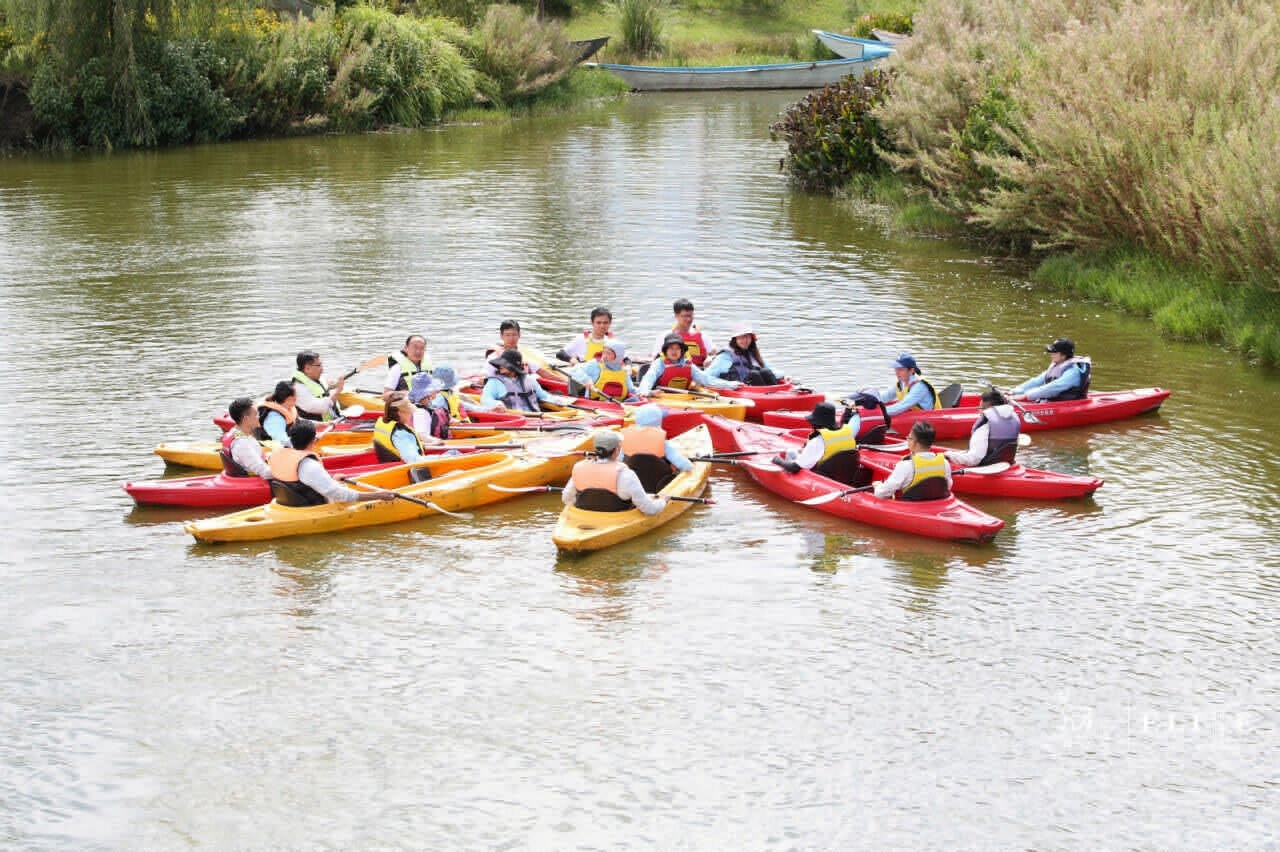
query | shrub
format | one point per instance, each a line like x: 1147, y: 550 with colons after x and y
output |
x: 833, y: 134
x: 518, y: 55
x: 641, y: 24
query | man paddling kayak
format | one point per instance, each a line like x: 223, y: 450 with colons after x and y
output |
x: 402, y: 366
x: 646, y: 450
x: 911, y: 392
x: 588, y: 346
x: 922, y: 474
x: 605, y: 484
x: 242, y: 452
x: 509, y: 335
x: 299, y: 478
x: 995, y: 433
x: 1067, y: 377
x: 695, y: 346
x: 315, y: 400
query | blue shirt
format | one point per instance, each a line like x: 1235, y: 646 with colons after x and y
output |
x: 657, y: 366
x: 1041, y: 388
x: 591, y: 370
x: 919, y: 394
x: 406, y: 445
x: 273, y: 424
x: 495, y: 393
x: 723, y: 362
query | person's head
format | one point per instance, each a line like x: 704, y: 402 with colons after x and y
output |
x: 674, y: 347
x: 683, y: 310
x: 922, y: 435
x: 509, y: 331
x: 613, y: 352
x: 399, y: 410
x: 741, y: 337
x: 415, y: 346
x: 601, y: 320
x: 649, y: 415
x: 823, y: 416
x: 421, y: 386
x: 285, y: 394
x: 444, y: 376
x: 904, y: 367
x: 302, y: 433
x: 309, y: 364
x: 243, y: 412
x: 1060, y: 350
x: 606, y: 443
x: 509, y: 362
x: 990, y: 398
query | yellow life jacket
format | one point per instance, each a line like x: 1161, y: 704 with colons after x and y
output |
x: 612, y: 382
x: 903, y: 390
x: 317, y: 389
x: 594, y: 347
x: 925, y: 469
x: 836, y: 441
x: 383, y: 430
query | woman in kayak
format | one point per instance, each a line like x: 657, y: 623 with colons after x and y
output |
x: 922, y: 474
x: 393, y: 437
x: 995, y: 433
x: 742, y: 361
x: 910, y: 392
x: 605, y: 484
x: 609, y: 377
x: 277, y: 413
x: 672, y: 369
x: 298, y: 477
x: 511, y: 388
x: 832, y: 447
x: 1067, y: 377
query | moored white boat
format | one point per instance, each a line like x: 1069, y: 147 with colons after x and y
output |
x: 788, y: 75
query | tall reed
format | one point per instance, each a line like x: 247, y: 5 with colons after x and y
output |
x: 641, y: 24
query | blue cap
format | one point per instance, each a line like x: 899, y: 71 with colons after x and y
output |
x: 905, y: 360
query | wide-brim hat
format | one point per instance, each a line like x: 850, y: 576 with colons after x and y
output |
x: 421, y: 386
x: 740, y: 329
x: 823, y: 416
x: 672, y: 340
x: 511, y: 359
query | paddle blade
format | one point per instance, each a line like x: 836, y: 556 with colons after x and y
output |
x: 831, y: 495
x: 997, y: 467
x: 528, y: 489
x: 462, y: 516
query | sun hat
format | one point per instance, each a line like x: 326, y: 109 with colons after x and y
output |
x: 672, y: 340
x: 1062, y: 345
x: 605, y: 442
x: 421, y: 386
x: 444, y: 376
x: 823, y: 416
x: 740, y: 329
x: 511, y: 359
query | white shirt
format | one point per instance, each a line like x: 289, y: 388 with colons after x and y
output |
x: 311, y: 472
x: 307, y: 401
x: 902, y: 475
x: 979, y: 442
x: 578, y: 347
x: 629, y: 488
x: 247, y: 452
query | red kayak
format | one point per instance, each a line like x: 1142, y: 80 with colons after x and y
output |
x: 221, y: 490
x: 952, y: 423
x: 504, y: 419
x: 783, y: 397
x: 947, y: 518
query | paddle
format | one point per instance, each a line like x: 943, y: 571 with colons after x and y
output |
x: 465, y: 516
x: 1026, y: 415
x: 372, y: 362
x: 569, y: 402
x: 345, y: 414
x: 730, y: 458
x: 532, y: 489
x: 749, y: 403
x: 995, y: 467
x: 833, y: 495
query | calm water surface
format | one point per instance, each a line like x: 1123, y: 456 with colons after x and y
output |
x: 756, y: 675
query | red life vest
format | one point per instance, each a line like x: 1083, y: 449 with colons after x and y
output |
x: 678, y: 376
x: 697, y: 350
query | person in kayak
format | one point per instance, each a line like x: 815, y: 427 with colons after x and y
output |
x: 832, y: 447
x: 646, y: 450
x: 511, y: 388
x: 589, y: 345
x: 695, y: 346
x: 402, y: 366
x: 605, y: 484
x: 1067, y: 377
x: 394, y: 439
x: 922, y: 474
x: 509, y: 336
x: 995, y: 433
x: 609, y: 377
x: 437, y: 402
x: 315, y: 400
x: 298, y: 477
x: 742, y: 361
x: 673, y: 369
x: 242, y: 453
x: 910, y: 392
x: 277, y: 413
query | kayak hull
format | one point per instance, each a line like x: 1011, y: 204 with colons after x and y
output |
x: 458, y: 483
x: 734, y: 409
x: 218, y: 490
x: 204, y: 455
x: 780, y: 397
x: 954, y: 423
x: 580, y: 530
x: 949, y: 518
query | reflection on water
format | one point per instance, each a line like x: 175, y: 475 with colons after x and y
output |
x: 755, y: 669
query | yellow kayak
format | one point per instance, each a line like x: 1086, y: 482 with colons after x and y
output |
x: 457, y: 483
x: 583, y: 530
x: 204, y: 455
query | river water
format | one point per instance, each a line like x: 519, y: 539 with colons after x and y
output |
x: 1104, y: 675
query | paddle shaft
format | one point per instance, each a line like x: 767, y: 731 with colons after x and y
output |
x: 541, y: 488
x: 372, y: 362
x: 1026, y: 415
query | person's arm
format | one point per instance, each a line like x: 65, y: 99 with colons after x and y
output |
x: 406, y: 446
x: 540, y: 392
x: 677, y: 459
x: 273, y: 424
x: 1033, y: 382
x: 570, y: 493
x: 630, y: 387
x: 247, y: 453
x: 651, y: 377
x: 705, y: 379
x: 979, y: 441
x: 896, y: 481
x: 312, y: 404
x: 493, y: 394
x: 312, y: 472
x: 629, y: 488
x: 719, y: 365
x: 1068, y: 380
x: 393, y: 378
